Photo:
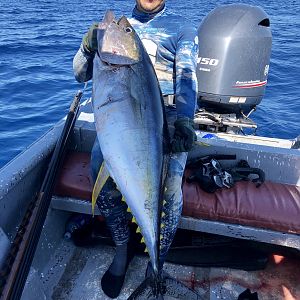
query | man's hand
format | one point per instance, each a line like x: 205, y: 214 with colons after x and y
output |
x: 184, y: 135
x: 89, y: 40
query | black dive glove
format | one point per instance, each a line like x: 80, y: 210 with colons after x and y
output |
x: 184, y: 135
x: 89, y: 40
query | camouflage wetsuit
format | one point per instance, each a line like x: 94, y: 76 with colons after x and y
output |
x: 172, y: 44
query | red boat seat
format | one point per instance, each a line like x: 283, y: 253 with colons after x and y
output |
x: 74, y: 179
x: 272, y: 206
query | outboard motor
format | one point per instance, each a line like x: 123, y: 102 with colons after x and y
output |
x: 233, y: 61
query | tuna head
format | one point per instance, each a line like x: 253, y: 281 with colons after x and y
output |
x: 117, y: 42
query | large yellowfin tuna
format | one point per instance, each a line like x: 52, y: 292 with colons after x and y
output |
x: 129, y: 117
x: 132, y: 132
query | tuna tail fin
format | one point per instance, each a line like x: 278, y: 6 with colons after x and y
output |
x: 154, y: 289
x: 102, y: 177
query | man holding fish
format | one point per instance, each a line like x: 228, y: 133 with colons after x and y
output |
x: 133, y: 144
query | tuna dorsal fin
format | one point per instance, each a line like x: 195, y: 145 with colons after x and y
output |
x: 102, y: 177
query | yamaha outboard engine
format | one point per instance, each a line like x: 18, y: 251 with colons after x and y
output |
x: 233, y: 61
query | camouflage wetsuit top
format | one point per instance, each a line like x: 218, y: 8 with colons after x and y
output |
x: 172, y: 44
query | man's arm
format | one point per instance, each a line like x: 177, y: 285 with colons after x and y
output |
x: 83, y: 65
x: 186, y: 80
x: 83, y: 60
x: 186, y: 89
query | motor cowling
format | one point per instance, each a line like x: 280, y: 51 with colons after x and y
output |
x: 234, y: 56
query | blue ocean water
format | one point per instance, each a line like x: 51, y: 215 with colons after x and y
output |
x: 38, y: 40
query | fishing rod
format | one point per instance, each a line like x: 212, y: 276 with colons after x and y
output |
x: 14, y: 273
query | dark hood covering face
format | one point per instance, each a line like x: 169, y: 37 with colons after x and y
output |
x: 143, y: 16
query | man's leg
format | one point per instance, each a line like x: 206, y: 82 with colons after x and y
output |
x: 173, y: 202
x: 114, y: 211
x: 172, y: 194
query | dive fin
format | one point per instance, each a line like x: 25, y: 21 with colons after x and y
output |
x: 102, y: 177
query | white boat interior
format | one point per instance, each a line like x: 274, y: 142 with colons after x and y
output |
x: 267, y: 215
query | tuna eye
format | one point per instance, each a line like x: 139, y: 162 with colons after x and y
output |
x: 128, y: 29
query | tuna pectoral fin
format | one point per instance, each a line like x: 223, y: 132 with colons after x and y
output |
x: 168, y: 287
x: 100, y: 181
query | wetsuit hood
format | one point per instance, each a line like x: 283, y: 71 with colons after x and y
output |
x: 144, y: 17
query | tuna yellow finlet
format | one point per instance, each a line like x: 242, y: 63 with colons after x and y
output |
x: 143, y: 240
x: 128, y: 209
x: 138, y: 230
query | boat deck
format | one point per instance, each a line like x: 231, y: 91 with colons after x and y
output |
x: 74, y: 273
